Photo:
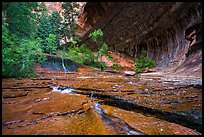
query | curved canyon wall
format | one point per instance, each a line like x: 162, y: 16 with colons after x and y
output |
x: 170, y: 32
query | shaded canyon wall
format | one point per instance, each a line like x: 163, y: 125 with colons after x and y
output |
x: 170, y: 32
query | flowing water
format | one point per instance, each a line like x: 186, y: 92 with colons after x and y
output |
x: 111, y: 122
x: 100, y: 111
x: 90, y: 103
x: 56, y: 63
x: 64, y: 68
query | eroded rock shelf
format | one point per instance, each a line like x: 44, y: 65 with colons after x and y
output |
x: 134, y: 104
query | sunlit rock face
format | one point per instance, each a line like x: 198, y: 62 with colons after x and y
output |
x: 166, y: 30
x: 51, y: 6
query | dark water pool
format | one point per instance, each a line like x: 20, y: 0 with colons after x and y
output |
x: 57, y: 63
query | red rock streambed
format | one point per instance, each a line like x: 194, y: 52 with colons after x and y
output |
x: 130, y: 104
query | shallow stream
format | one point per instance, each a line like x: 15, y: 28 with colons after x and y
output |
x: 90, y: 102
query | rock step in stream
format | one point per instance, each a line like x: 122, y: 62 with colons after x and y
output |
x: 42, y: 110
x: 114, y: 104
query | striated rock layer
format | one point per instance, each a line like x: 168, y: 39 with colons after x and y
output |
x: 169, y: 31
x: 129, y: 104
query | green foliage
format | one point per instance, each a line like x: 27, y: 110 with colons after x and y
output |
x: 80, y: 54
x: 137, y: 69
x: 103, y: 65
x: 43, y: 31
x: 18, y: 56
x: 69, y: 24
x: 20, y: 18
x: 51, y: 44
x: 41, y: 10
x: 143, y: 62
x: 73, y: 44
x: 116, y: 66
x: 149, y: 63
x: 48, y: 32
x: 55, y: 21
x: 96, y: 36
x: 19, y: 52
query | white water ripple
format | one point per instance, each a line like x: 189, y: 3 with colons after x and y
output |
x: 63, y: 91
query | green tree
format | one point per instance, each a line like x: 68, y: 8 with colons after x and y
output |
x: 19, y: 50
x: 69, y: 24
x: 18, y: 55
x: 43, y: 31
x: 20, y: 18
x: 49, y: 30
x: 142, y: 62
x: 55, y: 20
x: 97, y: 37
x: 51, y: 44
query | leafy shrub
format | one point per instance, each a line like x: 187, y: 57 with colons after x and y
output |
x: 80, y: 54
x: 149, y: 63
x: 84, y: 55
x: 51, y: 44
x: 143, y: 62
x: 103, y: 65
x: 96, y: 36
x: 116, y: 66
x: 18, y: 55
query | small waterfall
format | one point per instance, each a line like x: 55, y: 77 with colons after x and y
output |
x: 64, y: 68
x: 92, y: 96
x: 67, y: 90
x: 98, y: 108
x: 110, y: 121
x: 63, y: 90
x: 55, y: 88
x: 127, y: 129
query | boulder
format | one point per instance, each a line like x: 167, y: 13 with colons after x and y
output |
x: 129, y: 73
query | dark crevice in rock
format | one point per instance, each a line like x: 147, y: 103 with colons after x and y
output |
x: 12, y: 122
x: 9, y: 102
x: 117, y: 101
x: 31, y: 122
x: 184, y: 120
x: 24, y: 87
x: 15, y: 96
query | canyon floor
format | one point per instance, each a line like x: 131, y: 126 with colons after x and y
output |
x: 93, y: 102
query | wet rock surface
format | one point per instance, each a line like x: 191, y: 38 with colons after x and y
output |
x: 138, y: 104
